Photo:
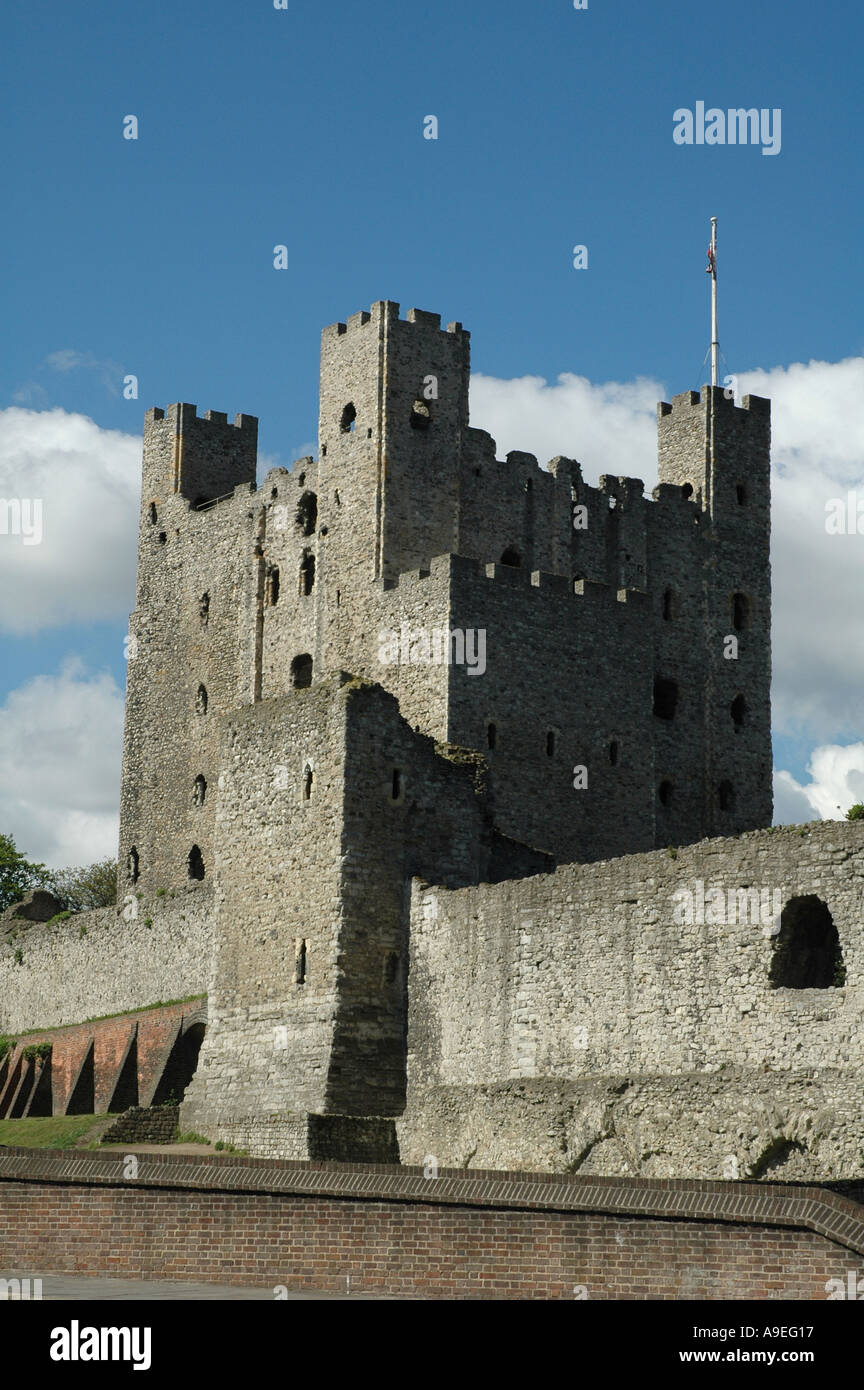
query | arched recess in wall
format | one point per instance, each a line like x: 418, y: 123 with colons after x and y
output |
x: 740, y: 612
x: 82, y: 1100
x: 125, y: 1093
x: 180, y: 1066
x: 301, y: 671
x: 199, y: 790
x: 665, y: 697
x: 726, y: 796
x: 132, y: 865
x: 307, y: 514
x: 807, y: 952
x: 195, y: 863
x: 201, y: 700
x: 512, y: 557
x: 349, y: 419
x: 307, y: 574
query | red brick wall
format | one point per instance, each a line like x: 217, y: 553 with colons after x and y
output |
x: 423, y: 1248
x: 154, y: 1031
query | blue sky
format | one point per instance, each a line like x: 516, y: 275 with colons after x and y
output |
x: 303, y: 126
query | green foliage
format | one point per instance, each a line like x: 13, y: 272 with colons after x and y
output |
x: 59, y: 917
x: 17, y: 874
x: 191, y: 1138
x: 226, y: 1148
x: 86, y: 886
x: 6, y: 1044
x: 40, y: 1050
x: 672, y: 852
x: 855, y: 812
x: 19, y: 956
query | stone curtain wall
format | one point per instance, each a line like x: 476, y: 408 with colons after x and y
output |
x: 506, y: 1235
x: 569, y: 1021
x: 97, y: 963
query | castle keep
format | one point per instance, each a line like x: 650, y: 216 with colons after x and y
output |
x: 421, y: 749
x: 606, y: 616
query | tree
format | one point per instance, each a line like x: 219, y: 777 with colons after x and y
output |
x: 855, y: 812
x: 86, y: 886
x: 17, y: 874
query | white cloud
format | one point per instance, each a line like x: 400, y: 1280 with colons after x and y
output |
x: 792, y: 805
x: 88, y: 480
x: 60, y: 748
x: 836, y: 782
x: 71, y: 360
x: 609, y: 428
x: 818, y: 454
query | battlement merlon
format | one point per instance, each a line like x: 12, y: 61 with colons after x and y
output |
x: 707, y: 445
x: 198, y: 457
x: 386, y: 311
x: 688, y: 400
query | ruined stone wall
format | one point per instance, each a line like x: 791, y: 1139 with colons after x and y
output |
x: 307, y: 1006
x: 278, y: 909
x: 556, y: 1015
x: 103, y: 962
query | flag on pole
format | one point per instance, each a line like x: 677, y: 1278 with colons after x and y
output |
x: 711, y: 267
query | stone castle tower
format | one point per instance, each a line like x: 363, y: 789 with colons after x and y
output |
x: 411, y: 659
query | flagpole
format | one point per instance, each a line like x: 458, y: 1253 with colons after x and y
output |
x: 715, y: 342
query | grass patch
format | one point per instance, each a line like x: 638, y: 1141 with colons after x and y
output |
x: 122, y: 1013
x: 191, y: 1138
x: 52, y: 1132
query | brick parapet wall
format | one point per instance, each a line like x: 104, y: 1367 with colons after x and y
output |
x: 480, y: 1234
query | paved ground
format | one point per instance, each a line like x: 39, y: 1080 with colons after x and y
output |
x: 78, y: 1288
x: 160, y: 1149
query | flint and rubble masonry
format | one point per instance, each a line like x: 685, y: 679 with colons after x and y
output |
x: 97, y: 963
x: 540, y: 1008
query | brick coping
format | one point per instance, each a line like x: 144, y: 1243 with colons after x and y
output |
x: 691, y: 1199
